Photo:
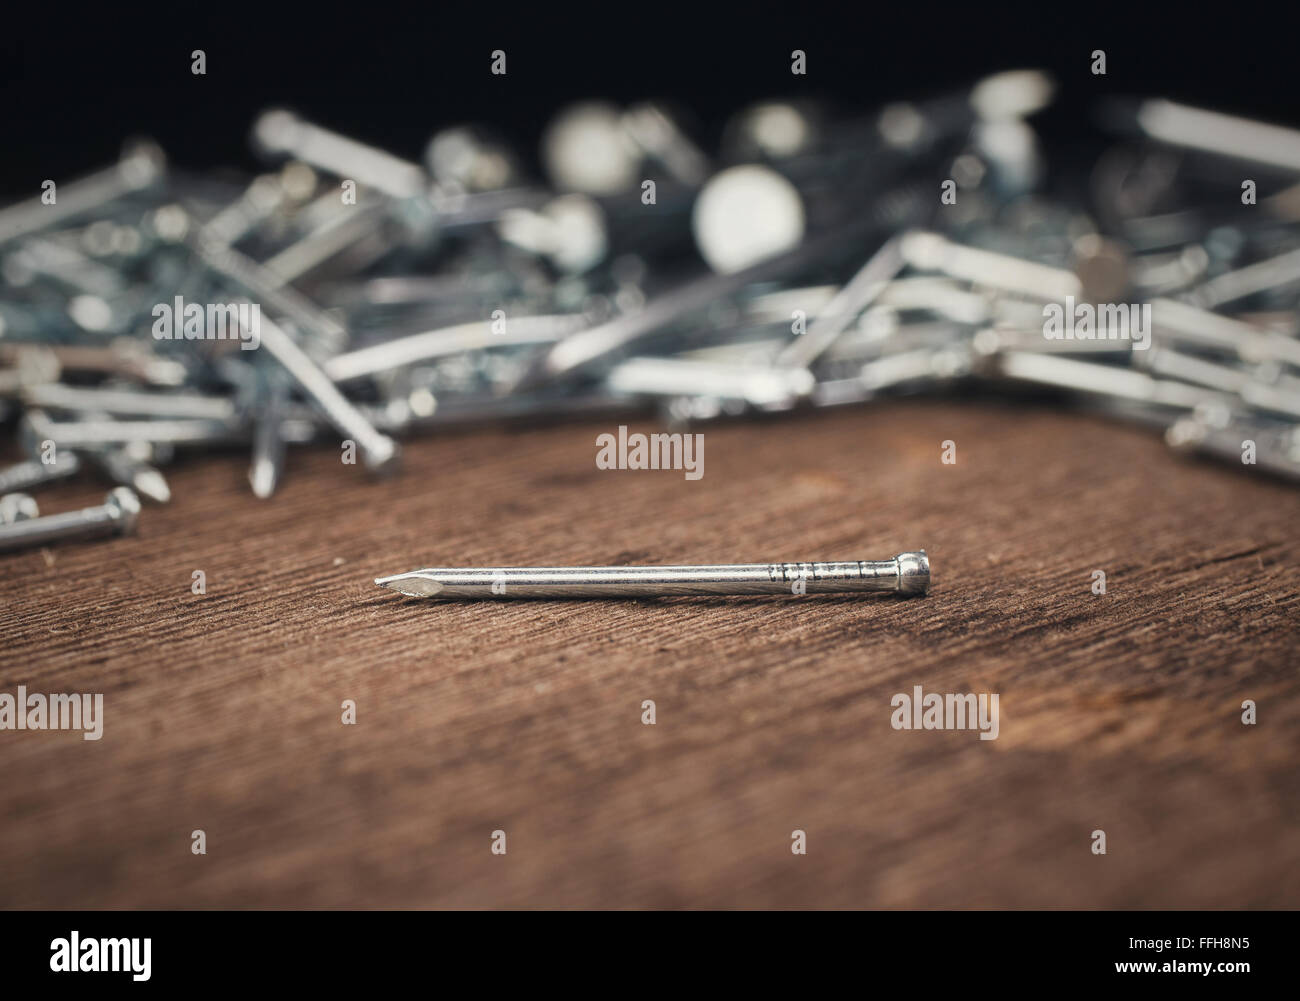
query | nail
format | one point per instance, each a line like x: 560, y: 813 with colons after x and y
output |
x: 927, y: 251
x: 50, y: 258
x: 569, y: 231
x: 267, y: 467
x: 471, y: 158
x: 124, y: 357
x: 759, y: 385
x: 747, y: 214
x: 379, y: 451
x: 197, y: 406
x: 589, y: 347
x: 923, y: 366
x: 586, y: 148
x: 848, y: 303
x: 1280, y: 399
x: 32, y: 368
x: 283, y: 132
x: 1263, y: 276
x: 1225, y: 135
x: 480, y: 409
x: 345, y: 229
x: 1277, y: 445
x: 268, y: 290
x: 17, y: 507
x: 128, y: 470
x: 259, y: 201
x: 90, y: 433
x: 141, y: 165
x: 116, y: 516
x: 458, y: 339
x: 1180, y: 323
x: 907, y: 573
x: 992, y: 340
x: 655, y: 131
x: 1102, y: 380
x: 31, y: 473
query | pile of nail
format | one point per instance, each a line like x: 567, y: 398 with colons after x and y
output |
x: 811, y: 259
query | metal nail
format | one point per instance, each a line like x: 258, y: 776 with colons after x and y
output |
x: 116, y: 516
x: 142, y: 164
x: 379, y: 451
x: 907, y: 574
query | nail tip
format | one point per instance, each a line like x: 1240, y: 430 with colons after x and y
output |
x: 413, y: 585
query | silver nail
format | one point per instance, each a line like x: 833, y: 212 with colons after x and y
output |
x: 141, y: 165
x: 116, y: 516
x: 1225, y: 135
x: 907, y: 573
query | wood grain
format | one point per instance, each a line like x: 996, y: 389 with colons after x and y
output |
x: 1119, y: 712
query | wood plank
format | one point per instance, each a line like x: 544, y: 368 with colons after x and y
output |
x: 1119, y: 712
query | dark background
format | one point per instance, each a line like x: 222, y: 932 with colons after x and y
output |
x: 74, y: 84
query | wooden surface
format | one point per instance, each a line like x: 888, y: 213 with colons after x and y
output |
x: 1119, y: 712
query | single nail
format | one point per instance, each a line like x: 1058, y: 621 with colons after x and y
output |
x: 472, y: 158
x: 116, y: 516
x: 283, y: 132
x: 1222, y: 436
x: 258, y: 202
x: 907, y: 573
x: 919, y: 367
x: 1275, y: 273
x: 758, y: 385
x: 928, y: 251
x: 267, y: 467
x: 1224, y: 135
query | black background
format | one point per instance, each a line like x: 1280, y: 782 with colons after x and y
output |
x: 969, y: 953
x: 74, y: 84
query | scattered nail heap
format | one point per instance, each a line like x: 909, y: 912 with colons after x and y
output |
x: 352, y: 294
